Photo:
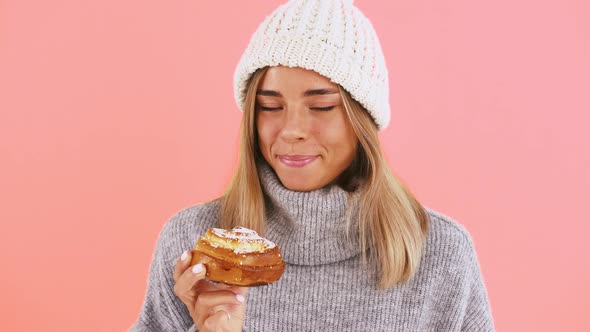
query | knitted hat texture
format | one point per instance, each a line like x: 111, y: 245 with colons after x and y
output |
x: 330, y: 37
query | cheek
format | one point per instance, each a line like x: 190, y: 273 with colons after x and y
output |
x: 339, y: 138
x: 266, y: 134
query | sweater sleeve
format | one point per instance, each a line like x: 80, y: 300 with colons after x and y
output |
x: 162, y: 310
x: 478, y: 315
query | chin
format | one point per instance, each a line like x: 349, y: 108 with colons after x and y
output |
x: 305, y: 185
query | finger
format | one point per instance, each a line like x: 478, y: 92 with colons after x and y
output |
x: 215, y: 286
x: 236, y: 311
x: 214, y: 298
x: 217, y: 322
x: 210, y: 302
x: 182, y: 264
x: 241, y: 291
x: 184, y: 287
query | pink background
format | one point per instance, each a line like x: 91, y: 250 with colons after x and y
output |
x: 116, y: 114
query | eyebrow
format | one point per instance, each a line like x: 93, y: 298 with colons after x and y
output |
x: 311, y: 92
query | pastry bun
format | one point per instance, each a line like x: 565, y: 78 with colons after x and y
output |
x: 238, y: 257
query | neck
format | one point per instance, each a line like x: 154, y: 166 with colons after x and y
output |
x: 310, y: 227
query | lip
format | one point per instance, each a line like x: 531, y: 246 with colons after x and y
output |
x: 297, y: 160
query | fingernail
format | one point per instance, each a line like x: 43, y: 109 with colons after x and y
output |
x: 184, y: 255
x: 198, y: 268
x: 240, y: 298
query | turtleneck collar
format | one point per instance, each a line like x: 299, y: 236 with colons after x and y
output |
x: 309, y: 226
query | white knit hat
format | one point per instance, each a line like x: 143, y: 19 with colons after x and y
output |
x: 330, y: 37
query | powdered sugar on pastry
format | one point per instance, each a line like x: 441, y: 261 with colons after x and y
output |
x: 239, y: 239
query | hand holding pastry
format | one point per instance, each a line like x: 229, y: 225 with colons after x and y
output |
x: 212, y: 307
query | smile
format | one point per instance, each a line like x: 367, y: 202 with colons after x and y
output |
x: 297, y: 161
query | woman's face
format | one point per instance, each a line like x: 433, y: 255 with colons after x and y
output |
x: 303, y: 131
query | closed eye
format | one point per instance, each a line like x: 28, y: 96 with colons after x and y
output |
x: 323, y: 108
x: 262, y: 108
x: 313, y: 108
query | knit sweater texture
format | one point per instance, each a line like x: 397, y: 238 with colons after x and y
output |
x: 325, y: 285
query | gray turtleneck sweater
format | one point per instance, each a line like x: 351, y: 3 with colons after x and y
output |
x: 325, y: 286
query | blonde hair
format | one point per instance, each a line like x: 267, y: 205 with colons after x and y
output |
x: 392, y: 223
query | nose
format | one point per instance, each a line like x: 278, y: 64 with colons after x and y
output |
x: 295, y: 125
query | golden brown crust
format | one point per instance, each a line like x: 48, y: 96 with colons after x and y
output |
x: 237, y: 260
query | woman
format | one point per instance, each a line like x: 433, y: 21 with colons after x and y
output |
x: 362, y: 253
